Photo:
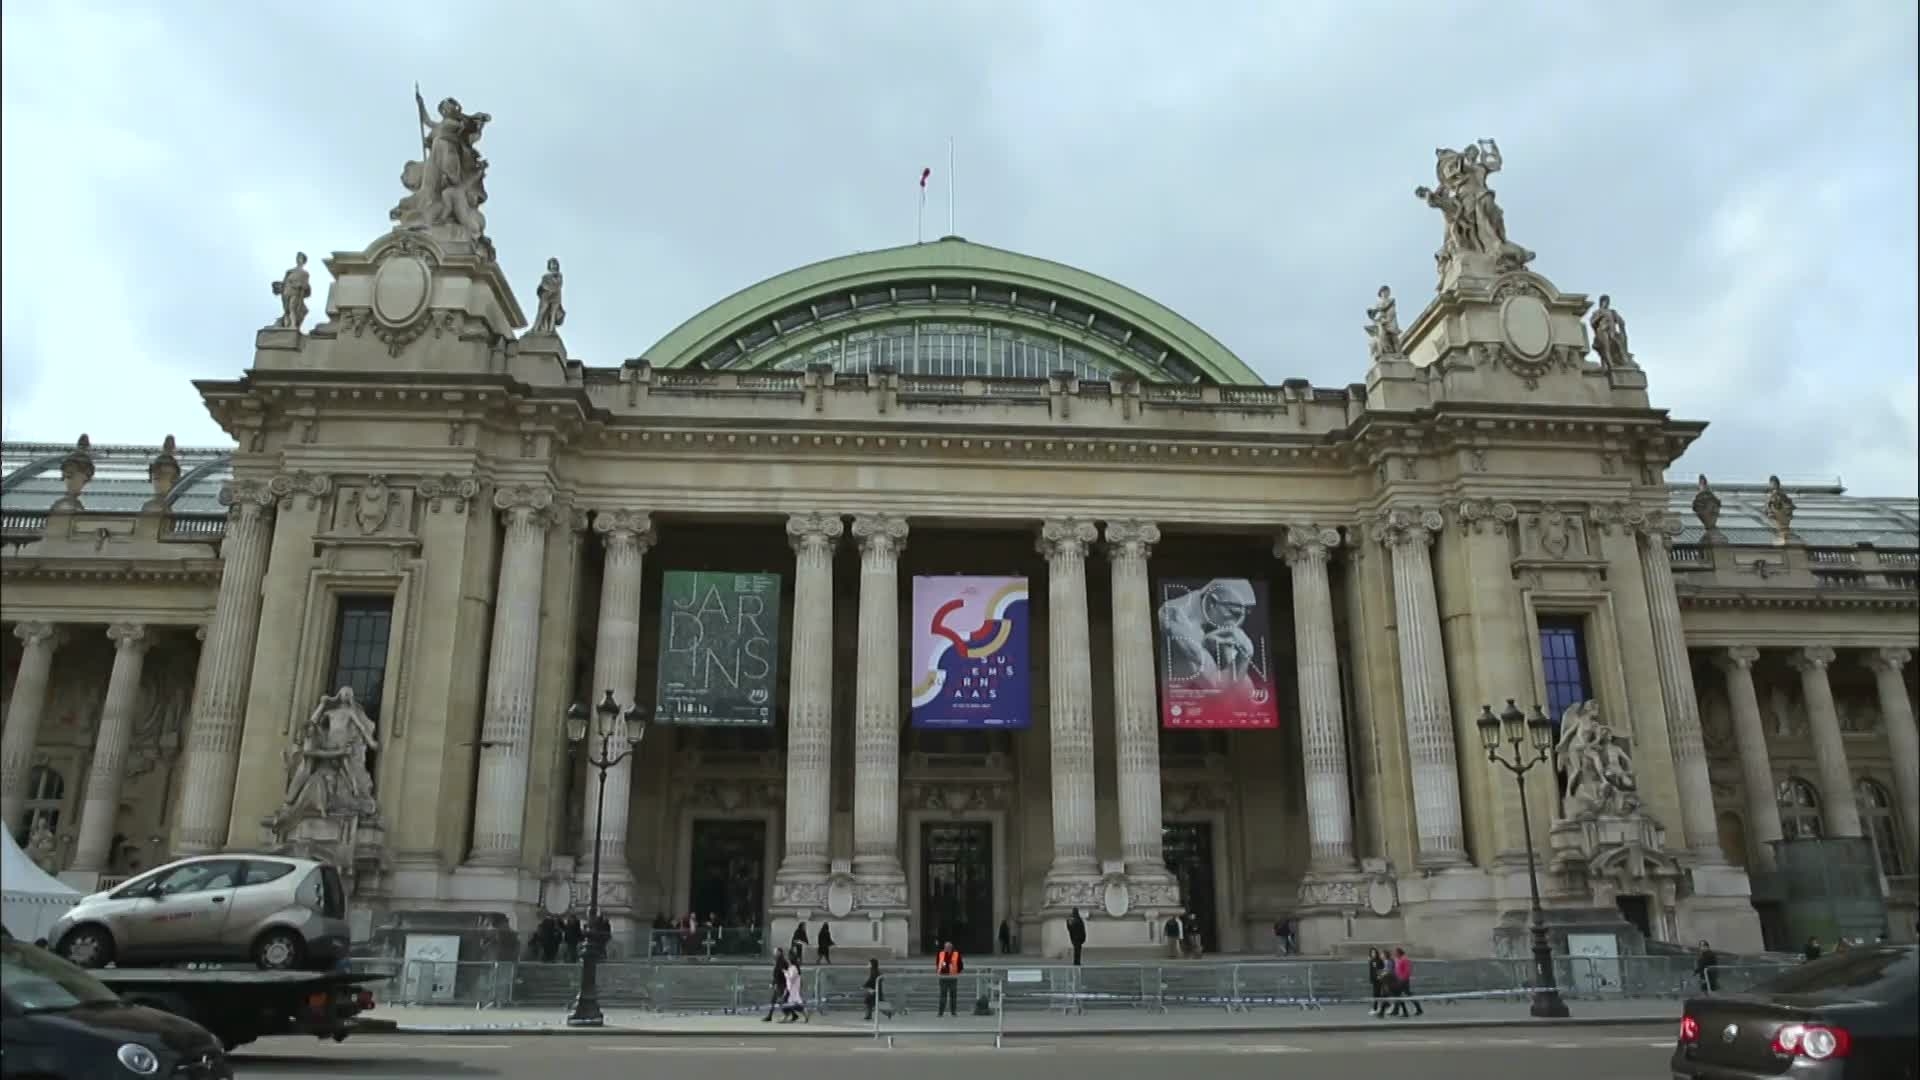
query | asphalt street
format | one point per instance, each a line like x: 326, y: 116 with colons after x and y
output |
x: 1609, y: 1053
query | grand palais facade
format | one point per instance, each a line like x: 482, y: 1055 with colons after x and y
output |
x: 960, y: 587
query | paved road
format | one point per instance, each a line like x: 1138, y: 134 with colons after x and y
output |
x: 1565, y: 1054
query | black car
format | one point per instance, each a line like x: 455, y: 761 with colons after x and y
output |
x: 59, y: 1023
x: 1850, y: 1016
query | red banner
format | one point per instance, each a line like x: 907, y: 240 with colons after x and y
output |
x: 1216, y: 670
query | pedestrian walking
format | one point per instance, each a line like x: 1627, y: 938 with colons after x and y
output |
x: 948, y: 965
x: 824, y: 943
x: 1704, y: 968
x: 571, y: 935
x: 1006, y: 938
x: 798, y: 946
x: 1403, y: 985
x: 1172, y: 933
x: 779, y: 983
x: 871, y: 991
x: 1076, y: 934
x: 1380, y: 979
x: 794, y: 1006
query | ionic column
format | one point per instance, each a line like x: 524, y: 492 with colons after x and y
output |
x: 226, y: 667
x: 1677, y: 693
x: 1838, y: 810
x: 627, y: 535
x: 506, y: 728
x: 1896, y: 714
x: 1322, y: 725
x: 876, y: 725
x: 1423, y: 686
x: 24, y: 707
x: 1064, y: 542
x: 102, y: 806
x: 814, y: 537
x: 1136, y: 713
x: 1756, y: 770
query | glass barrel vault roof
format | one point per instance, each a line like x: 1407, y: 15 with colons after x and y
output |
x: 1824, y: 516
x: 30, y: 478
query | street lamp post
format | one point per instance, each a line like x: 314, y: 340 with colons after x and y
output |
x: 1518, y: 731
x: 624, y: 729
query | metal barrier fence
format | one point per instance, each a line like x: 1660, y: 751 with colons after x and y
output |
x: 679, y: 987
x: 704, y: 944
x: 921, y: 1004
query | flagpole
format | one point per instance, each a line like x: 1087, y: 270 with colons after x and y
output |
x: 950, y: 229
x: 920, y: 216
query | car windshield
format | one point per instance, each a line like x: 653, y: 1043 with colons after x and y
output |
x: 1855, y: 975
x: 34, y: 980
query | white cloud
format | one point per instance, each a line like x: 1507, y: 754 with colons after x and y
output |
x: 1741, y: 181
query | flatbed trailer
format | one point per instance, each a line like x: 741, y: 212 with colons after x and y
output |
x: 239, y: 1005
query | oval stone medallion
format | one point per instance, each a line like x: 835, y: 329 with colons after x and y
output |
x: 1526, y: 325
x: 400, y: 289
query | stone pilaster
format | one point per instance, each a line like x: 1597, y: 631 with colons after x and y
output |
x: 28, y: 701
x: 803, y: 868
x: 1307, y: 550
x: 506, y: 728
x: 876, y: 725
x: 627, y: 535
x: 1756, y: 770
x: 1064, y: 542
x: 1677, y: 692
x: 226, y: 668
x: 1896, y: 714
x: 1136, y: 713
x: 1407, y: 535
x: 94, y: 850
x: 1839, y: 812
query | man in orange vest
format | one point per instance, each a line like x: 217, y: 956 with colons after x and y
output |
x: 949, y: 965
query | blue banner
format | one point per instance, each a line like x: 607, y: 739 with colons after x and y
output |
x: 970, y: 653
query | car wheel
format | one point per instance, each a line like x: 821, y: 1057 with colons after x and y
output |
x: 87, y: 946
x: 279, y: 950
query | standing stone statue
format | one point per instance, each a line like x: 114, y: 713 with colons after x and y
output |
x: 1610, y: 335
x: 551, y: 314
x: 448, y: 185
x: 1383, y: 326
x: 328, y: 764
x: 293, y: 288
x: 1706, y: 507
x: 1779, y: 509
x: 1475, y: 223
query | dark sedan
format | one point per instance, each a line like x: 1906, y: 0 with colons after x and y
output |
x: 59, y: 1023
x: 1850, y: 1016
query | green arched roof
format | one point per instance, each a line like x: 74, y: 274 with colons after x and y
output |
x: 950, y: 283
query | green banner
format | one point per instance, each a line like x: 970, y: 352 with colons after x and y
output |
x: 719, y: 647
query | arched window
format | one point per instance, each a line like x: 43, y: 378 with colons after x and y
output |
x: 1799, y: 810
x: 46, y: 790
x: 1876, y: 819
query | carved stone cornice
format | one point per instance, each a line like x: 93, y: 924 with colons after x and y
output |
x: 1484, y: 515
x: 881, y: 532
x: 626, y: 527
x: 448, y: 490
x: 1131, y: 539
x: 1798, y: 599
x: 1066, y: 536
x: 289, y: 487
x: 815, y: 530
x: 524, y: 503
x: 1313, y: 543
x: 1402, y: 525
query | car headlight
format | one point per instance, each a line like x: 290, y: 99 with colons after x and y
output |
x: 138, y: 1059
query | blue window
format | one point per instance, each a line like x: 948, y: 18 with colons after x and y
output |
x: 1563, y: 655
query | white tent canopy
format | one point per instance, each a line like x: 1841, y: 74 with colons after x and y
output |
x: 31, y: 900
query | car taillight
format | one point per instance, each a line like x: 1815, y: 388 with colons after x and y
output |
x: 1689, y: 1030
x: 366, y: 999
x: 1816, y: 1042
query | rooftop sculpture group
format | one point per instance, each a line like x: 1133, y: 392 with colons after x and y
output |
x: 448, y: 185
x: 1475, y: 224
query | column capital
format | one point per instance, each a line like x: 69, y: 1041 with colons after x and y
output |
x: 1066, y: 536
x: 1894, y: 660
x: 127, y: 635
x: 1311, y: 543
x: 1738, y: 656
x: 1812, y: 657
x: 41, y: 634
x: 1402, y: 526
x: 1132, y: 538
x: 815, y: 530
x: 523, y: 503
x: 1483, y: 515
x: 623, y: 527
x: 880, y: 532
x: 241, y: 495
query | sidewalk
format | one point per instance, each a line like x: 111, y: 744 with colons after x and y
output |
x: 845, y: 1023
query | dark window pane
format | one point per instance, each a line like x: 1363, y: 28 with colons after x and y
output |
x: 360, y: 650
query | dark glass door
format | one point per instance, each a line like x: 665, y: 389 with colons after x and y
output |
x: 729, y: 871
x: 956, y: 886
x: 1188, y: 846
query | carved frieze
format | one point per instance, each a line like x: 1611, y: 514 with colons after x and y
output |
x: 956, y: 798
x: 1198, y: 796
x: 729, y: 796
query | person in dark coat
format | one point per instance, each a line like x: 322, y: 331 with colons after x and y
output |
x: 1076, y: 934
x: 1006, y: 938
x: 779, y: 983
x: 1380, y: 980
x: 798, y: 946
x: 824, y: 943
x: 1704, y: 968
x: 571, y: 934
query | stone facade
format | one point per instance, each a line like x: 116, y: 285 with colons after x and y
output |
x: 508, y: 511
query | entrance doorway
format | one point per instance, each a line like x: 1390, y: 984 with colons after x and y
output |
x: 1188, y: 848
x: 729, y: 872
x: 956, y: 886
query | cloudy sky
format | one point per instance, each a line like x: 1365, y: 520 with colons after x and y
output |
x: 1740, y: 176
